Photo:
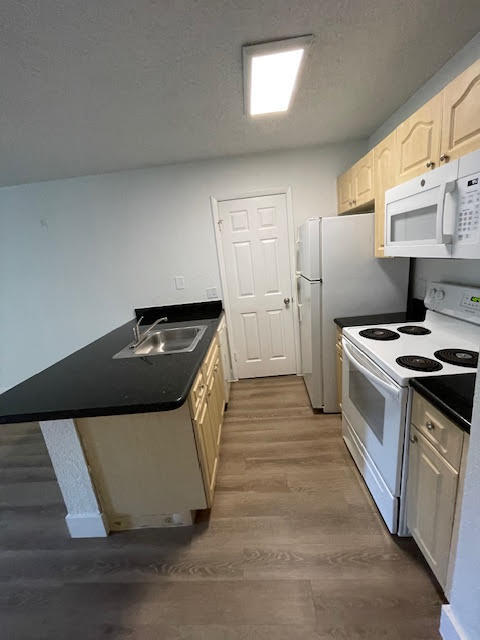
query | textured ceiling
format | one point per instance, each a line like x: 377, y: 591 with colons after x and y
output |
x: 101, y: 85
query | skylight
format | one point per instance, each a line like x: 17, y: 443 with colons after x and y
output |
x: 271, y: 72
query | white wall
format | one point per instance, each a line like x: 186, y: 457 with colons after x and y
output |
x: 455, y: 271
x: 458, y: 63
x: 463, y: 614
x: 462, y: 271
x: 77, y: 255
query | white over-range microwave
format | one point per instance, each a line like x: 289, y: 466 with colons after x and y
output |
x: 436, y: 215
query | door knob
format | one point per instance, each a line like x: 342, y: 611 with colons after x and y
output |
x: 286, y: 301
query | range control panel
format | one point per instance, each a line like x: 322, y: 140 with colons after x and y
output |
x: 467, y: 229
x: 454, y: 300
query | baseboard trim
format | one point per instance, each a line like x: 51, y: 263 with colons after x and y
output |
x: 87, y: 525
x: 450, y: 629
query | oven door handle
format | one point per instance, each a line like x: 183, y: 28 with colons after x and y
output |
x: 390, y: 388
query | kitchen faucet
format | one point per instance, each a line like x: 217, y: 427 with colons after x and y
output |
x: 139, y: 337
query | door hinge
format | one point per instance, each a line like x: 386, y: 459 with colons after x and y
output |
x: 235, y: 356
x: 220, y: 222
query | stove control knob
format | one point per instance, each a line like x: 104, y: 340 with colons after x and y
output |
x: 440, y: 294
x: 432, y: 293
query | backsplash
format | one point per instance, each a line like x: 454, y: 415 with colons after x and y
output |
x: 444, y: 270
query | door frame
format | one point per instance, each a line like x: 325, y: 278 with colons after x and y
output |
x: 214, y: 201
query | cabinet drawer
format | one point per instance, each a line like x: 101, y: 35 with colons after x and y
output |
x: 197, y: 392
x: 442, y: 434
x: 209, y: 364
x: 210, y: 357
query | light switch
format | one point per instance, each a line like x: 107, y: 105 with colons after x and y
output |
x: 179, y: 282
x: 212, y: 293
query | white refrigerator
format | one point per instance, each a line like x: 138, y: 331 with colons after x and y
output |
x: 338, y: 275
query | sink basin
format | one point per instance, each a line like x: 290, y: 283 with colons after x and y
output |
x: 163, y: 341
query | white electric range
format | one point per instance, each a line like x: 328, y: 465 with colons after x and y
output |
x: 378, y: 363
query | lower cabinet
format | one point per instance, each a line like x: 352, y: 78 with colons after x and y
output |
x: 154, y: 469
x: 432, y: 490
x: 207, y: 411
x: 433, y: 484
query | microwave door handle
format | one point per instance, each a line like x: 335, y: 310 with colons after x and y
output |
x: 449, y: 212
x: 369, y: 374
x: 445, y: 204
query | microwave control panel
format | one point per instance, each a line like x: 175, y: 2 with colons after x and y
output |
x: 468, y: 219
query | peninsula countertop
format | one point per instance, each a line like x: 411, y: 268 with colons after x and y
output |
x: 91, y: 383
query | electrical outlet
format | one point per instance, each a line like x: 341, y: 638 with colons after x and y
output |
x: 212, y: 293
x: 179, y: 282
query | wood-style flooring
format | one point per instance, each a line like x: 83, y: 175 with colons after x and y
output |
x: 293, y: 548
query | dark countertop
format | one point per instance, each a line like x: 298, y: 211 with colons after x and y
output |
x: 90, y: 383
x: 379, y: 318
x: 452, y: 395
x: 415, y: 313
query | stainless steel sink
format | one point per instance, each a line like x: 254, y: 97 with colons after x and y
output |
x: 163, y: 341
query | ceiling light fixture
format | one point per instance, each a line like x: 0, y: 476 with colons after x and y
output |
x: 270, y: 74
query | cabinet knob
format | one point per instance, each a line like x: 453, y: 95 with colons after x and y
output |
x: 413, y: 439
x: 444, y: 157
x: 430, y: 164
x: 430, y: 426
x: 354, y: 202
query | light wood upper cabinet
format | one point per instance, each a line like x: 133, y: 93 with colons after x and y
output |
x: 445, y: 128
x: 345, y: 191
x: 355, y: 186
x: 461, y: 114
x: 363, y: 180
x: 417, y: 143
x: 384, y: 172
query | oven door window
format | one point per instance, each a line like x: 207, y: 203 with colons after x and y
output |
x: 369, y: 402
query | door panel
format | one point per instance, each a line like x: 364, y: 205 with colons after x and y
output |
x: 431, y: 492
x: 461, y: 114
x: 363, y: 177
x: 418, y: 141
x: 258, y: 272
x: 384, y: 176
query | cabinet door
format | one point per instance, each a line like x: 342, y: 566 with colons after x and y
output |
x: 461, y: 114
x: 384, y: 178
x: 417, y: 140
x: 208, y: 449
x: 363, y: 180
x: 431, y: 496
x: 345, y: 191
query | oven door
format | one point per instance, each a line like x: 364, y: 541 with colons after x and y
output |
x: 374, y: 406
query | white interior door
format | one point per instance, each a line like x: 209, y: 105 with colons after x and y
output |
x: 255, y: 243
